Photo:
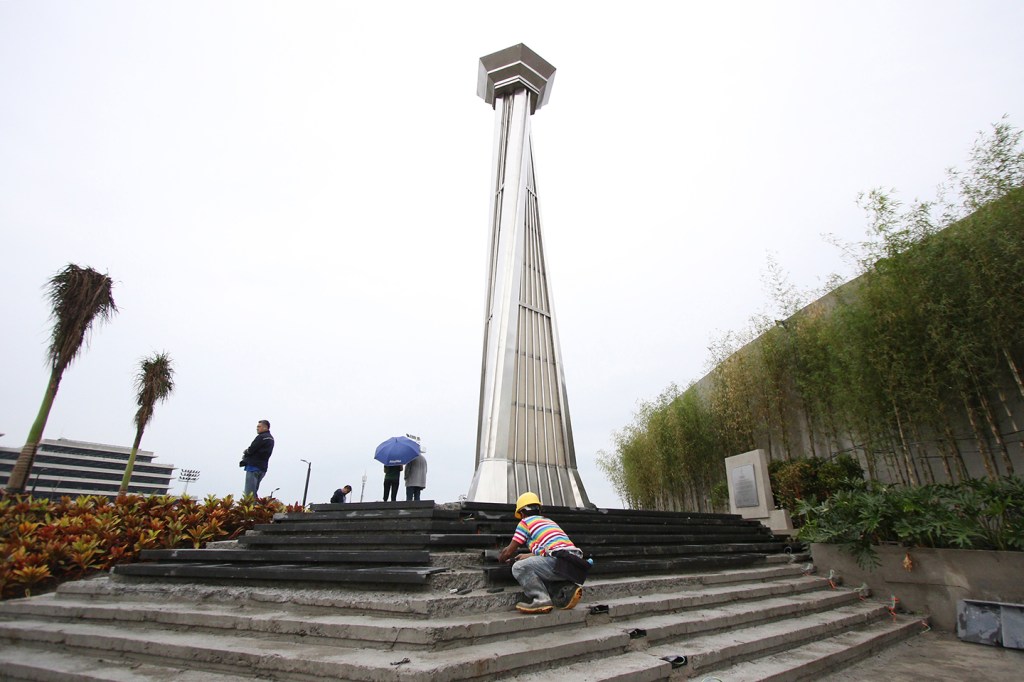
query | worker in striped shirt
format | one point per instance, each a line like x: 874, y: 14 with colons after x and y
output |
x: 546, y: 541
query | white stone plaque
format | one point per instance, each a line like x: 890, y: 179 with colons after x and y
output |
x: 744, y: 486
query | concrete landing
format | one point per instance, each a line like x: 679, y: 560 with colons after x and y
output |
x: 937, y: 657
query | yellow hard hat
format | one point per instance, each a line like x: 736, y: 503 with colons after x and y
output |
x: 526, y: 500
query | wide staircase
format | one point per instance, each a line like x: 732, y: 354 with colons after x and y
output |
x: 413, y: 591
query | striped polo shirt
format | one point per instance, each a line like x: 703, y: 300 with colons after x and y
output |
x: 541, y: 535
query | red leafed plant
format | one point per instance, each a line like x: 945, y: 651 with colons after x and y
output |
x: 45, y: 543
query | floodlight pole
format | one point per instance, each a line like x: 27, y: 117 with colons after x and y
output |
x: 187, y: 476
x: 309, y: 468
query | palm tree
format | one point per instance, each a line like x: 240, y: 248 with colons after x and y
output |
x: 78, y: 296
x: 154, y: 383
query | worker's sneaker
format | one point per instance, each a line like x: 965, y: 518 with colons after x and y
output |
x: 535, y: 606
x: 574, y: 594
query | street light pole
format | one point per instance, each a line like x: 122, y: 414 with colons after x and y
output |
x: 309, y: 467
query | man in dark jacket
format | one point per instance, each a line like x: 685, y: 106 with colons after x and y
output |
x: 256, y: 456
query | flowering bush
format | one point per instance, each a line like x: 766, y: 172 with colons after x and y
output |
x: 45, y: 543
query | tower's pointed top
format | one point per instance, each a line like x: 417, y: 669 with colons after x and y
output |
x: 515, y: 67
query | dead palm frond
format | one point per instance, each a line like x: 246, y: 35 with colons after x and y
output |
x: 78, y: 297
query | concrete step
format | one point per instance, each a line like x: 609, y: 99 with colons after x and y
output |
x: 729, y: 616
x: 748, y: 641
x: 287, y: 660
x: 346, y: 626
x: 478, y: 600
x: 810, y: 661
x: 648, y: 604
x: 31, y: 664
x: 312, y: 599
x: 336, y: 627
x: 632, y: 667
x: 602, y: 590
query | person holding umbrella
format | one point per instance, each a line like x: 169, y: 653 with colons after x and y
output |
x: 394, y: 453
x: 392, y: 475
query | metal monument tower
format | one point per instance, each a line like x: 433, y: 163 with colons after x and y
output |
x: 524, y: 438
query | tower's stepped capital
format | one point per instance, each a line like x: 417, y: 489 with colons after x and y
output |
x: 515, y: 67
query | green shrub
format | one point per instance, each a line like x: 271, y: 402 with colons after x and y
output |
x: 45, y: 543
x: 812, y: 479
x: 974, y: 514
x: 720, y: 496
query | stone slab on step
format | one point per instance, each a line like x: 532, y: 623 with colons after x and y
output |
x: 426, y: 524
x: 372, y: 506
x: 598, y: 539
x: 678, y: 550
x: 278, y: 573
x: 502, y: 510
x: 385, y: 557
x: 681, y: 527
x: 375, y: 540
x: 502, y: 573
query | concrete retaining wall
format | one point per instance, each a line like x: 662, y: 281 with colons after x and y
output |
x: 936, y: 579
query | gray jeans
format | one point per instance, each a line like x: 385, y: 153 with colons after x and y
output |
x: 252, y: 481
x: 533, y: 573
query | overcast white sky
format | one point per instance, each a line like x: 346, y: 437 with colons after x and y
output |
x: 292, y: 199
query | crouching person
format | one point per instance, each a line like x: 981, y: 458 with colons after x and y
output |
x: 553, y: 567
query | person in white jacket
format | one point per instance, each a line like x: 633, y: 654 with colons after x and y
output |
x: 415, y: 478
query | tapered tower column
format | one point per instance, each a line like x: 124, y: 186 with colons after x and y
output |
x: 524, y: 437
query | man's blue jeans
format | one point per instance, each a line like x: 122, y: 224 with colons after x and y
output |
x: 252, y: 482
